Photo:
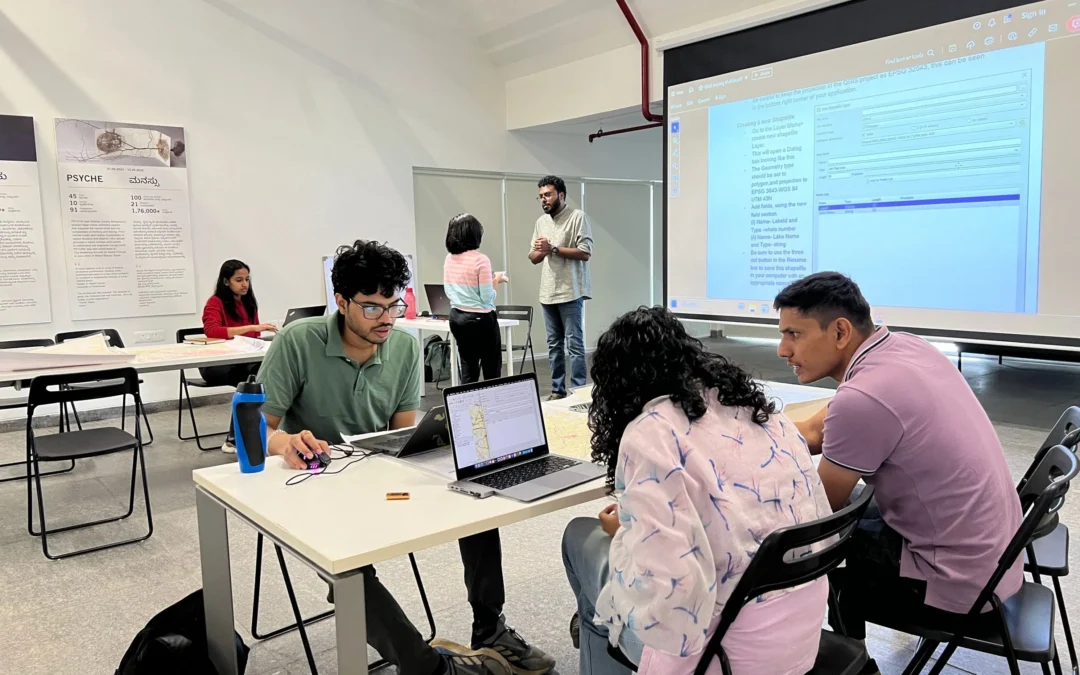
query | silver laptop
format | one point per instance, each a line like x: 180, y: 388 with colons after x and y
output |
x: 500, y: 444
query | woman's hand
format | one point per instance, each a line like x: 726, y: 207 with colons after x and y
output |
x: 268, y: 327
x: 609, y: 519
x: 500, y: 278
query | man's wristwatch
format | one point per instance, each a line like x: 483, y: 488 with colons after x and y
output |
x: 555, y: 251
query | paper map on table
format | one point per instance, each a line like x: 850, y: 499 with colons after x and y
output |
x: 568, y: 433
x: 88, y: 351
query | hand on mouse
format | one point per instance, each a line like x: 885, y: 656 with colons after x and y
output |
x: 302, y: 448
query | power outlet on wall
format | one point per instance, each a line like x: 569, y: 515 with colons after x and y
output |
x: 146, y: 337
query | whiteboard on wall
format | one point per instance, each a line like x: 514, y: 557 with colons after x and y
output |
x: 328, y: 267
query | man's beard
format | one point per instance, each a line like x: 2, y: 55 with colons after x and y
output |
x: 368, y: 336
x: 553, y: 207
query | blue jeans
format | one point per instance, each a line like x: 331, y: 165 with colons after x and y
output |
x: 585, y: 549
x: 565, y: 329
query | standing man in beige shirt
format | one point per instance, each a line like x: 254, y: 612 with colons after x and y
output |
x: 562, y: 245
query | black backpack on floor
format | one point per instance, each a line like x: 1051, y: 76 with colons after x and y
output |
x: 174, y: 643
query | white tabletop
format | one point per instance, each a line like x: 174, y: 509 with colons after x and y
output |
x: 441, y: 325
x: 342, y: 522
x: 195, y: 360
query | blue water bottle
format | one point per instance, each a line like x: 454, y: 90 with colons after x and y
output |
x: 250, y: 425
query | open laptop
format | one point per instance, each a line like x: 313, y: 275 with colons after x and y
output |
x: 303, y: 313
x: 500, y: 444
x: 438, y: 303
x: 430, y: 434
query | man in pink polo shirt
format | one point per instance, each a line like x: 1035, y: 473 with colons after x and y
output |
x: 905, y: 421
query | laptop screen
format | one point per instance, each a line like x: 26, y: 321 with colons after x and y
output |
x: 491, y: 424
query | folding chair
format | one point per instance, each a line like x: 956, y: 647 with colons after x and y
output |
x: 14, y: 403
x: 82, y: 444
x: 300, y: 623
x: 185, y: 395
x: 520, y: 313
x: 1020, y: 628
x: 115, y: 340
x: 777, y: 565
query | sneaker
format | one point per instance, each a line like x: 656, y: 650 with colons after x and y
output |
x: 870, y: 668
x: 228, y: 447
x: 555, y: 396
x: 524, y: 659
x: 460, y: 660
x: 575, y: 630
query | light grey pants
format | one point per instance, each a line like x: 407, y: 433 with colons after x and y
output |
x: 585, y: 549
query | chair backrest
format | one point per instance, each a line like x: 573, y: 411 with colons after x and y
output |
x: 184, y: 332
x: 111, y: 333
x: 1041, y: 498
x: 789, y: 557
x: 515, y: 312
x: 25, y: 344
x: 50, y: 389
x: 1066, y: 432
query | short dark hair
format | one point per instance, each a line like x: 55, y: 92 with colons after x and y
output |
x: 827, y: 296
x: 368, y: 267
x: 464, y: 233
x: 553, y: 181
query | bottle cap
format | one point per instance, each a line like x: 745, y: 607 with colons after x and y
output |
x: 251, y: 386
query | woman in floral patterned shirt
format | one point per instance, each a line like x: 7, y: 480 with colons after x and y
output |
x: 705, y: 468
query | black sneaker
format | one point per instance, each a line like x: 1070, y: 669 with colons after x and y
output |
x: 575, y: 630
x: 870, y: 668
x: 555, y: 396
x: 523, y: 658
x: 460, y: 660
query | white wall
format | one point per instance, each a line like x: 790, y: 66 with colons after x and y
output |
x: 303, y: 122
x: 611, y: 81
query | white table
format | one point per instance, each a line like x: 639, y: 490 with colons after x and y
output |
x: 432, y: 516
x: 195, y: 360
x: 337, y: 551
x: 442, y: 326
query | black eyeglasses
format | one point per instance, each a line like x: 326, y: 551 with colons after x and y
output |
x: 373, y: 312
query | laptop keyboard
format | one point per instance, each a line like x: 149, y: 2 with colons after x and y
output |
x: 523, y: 473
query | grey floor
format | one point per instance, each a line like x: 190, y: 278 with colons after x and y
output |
x: 79, y: 615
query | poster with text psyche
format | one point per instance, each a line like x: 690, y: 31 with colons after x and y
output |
x: 24, y: 280
x: 126, y: 216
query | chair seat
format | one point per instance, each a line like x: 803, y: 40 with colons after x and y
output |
x: 838, y: 655
x: 85, y: 443
x: 1029, y: 614
x: 196, y: 382
x: 1051, y: 553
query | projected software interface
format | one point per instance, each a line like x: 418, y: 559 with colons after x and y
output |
x: 495, y: 423
x: 919, y: 171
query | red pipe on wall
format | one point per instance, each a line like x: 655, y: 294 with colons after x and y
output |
x: 645, y: 111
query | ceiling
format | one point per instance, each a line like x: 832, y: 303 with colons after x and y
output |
x: 522, y: 37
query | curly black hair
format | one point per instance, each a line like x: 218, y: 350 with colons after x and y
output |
x: 558, y: 184
x: 369, y: 267
x: 646, y: 354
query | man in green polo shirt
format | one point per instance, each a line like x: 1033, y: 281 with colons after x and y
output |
x: 352, y: 373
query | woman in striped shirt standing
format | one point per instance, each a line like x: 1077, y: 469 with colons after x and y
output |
x: 470, y: 286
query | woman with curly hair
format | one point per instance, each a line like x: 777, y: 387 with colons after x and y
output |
x: 705, y: 468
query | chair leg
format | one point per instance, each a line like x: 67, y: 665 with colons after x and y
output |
x: 1065, y: 625
x: 921, y: 657
x: 295, y: 610
x: 185, y: 394
x: 423, y: 596
x: 257, y: 595
x: 942, y: 660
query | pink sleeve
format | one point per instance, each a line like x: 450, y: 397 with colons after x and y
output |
x: 860, y: 432
x: 483, y: 271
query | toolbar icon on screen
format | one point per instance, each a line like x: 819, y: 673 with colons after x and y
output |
x: 971, y: 44
x: 1008, y: 18
x: 1074, y: 24
x: 674, y: 127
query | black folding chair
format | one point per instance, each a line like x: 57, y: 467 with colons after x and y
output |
x: 1049, y: 554
x: 16, y: 402
x: 82, y: 444
x: 1020, y: 628
x: 520, y: 313
x: 300, y: 623
x: 185, y: 395
x: 790, y: 557
x: 115, y: 340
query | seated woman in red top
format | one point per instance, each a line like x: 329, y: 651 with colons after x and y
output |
x: 232, y: 310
